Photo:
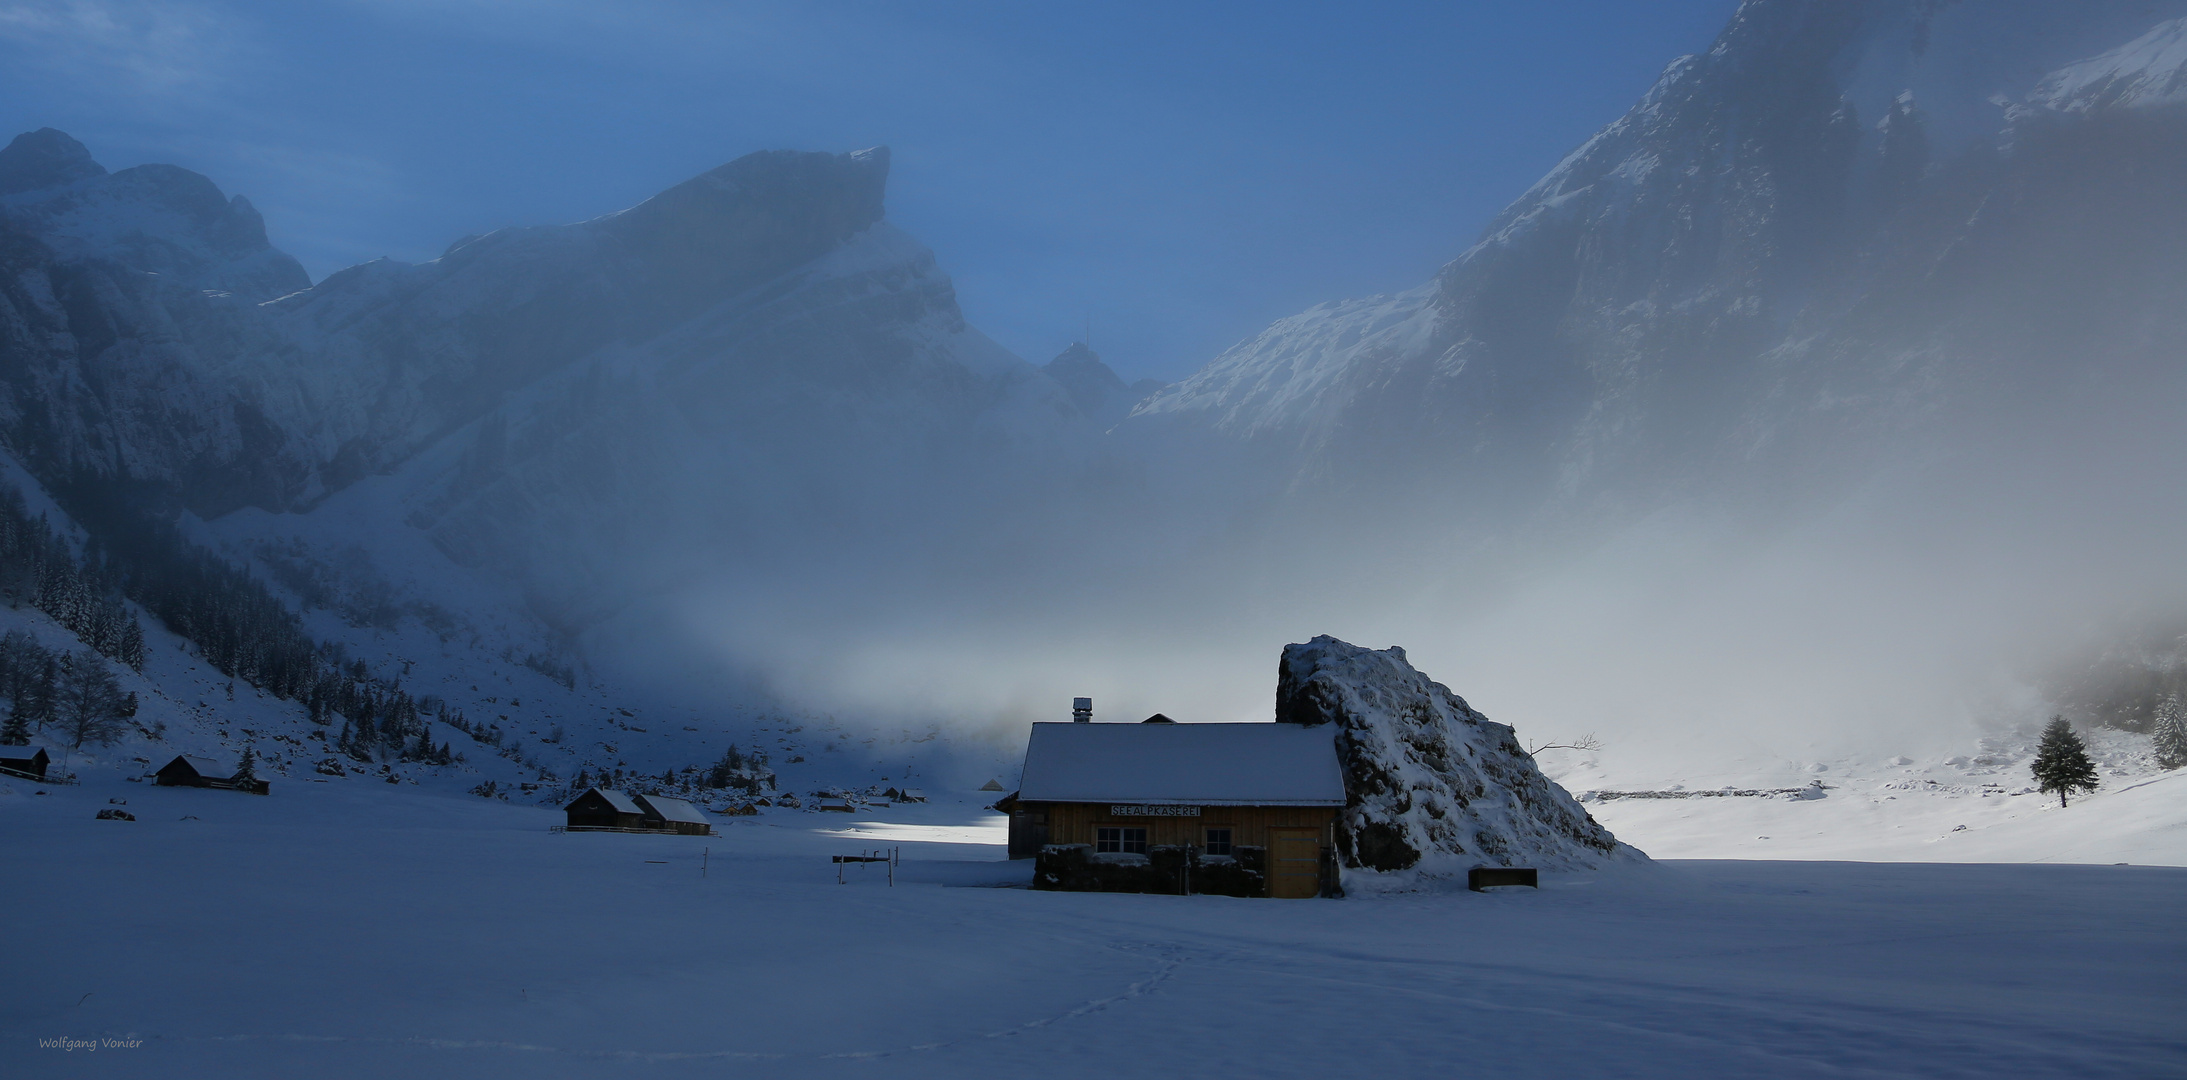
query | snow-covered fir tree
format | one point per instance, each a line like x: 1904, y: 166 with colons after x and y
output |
x: 2171, y: 733
x: 2061, y: 761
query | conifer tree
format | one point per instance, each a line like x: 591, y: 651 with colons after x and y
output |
x: 246, y: 767
x: 16, y: 732
x: 2171, y: 733
x: 131, y: 648
x: 34, y: 696
x: 2061, y: 761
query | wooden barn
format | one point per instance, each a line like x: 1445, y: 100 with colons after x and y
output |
x: 601, y: 809
x: 30, y: 761
x: 1238, y: 809
x: 605, y: 808
x: 675, y: 815
x: 189, y: 770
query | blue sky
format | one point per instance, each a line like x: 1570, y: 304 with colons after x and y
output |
x: 1181, y: 173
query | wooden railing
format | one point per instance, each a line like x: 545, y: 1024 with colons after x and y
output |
x: 49, y: 778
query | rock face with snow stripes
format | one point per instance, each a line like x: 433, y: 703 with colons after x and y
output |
x: 1847, y: 233
x: 1430, y: 784
x: 559, y: 405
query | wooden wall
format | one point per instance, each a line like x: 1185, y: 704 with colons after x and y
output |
x: 1074, y: 823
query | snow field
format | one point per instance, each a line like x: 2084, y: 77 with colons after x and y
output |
x: 359, y: 929
x: 1979, y: 806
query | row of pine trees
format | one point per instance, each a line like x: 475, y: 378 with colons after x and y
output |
x: 72, y: 695
x: 238, y: 625
x: 38, y: 568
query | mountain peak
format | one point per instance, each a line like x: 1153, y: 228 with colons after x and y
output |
x: 816, y: 194
x: 757, y: 217
x: 47, y: 157
x: 1092, y: 386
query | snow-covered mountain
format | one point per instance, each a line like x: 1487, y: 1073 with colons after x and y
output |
x: 744, y: 425
x: 553, y: 402
x: 124, y: 298
x: 1840, y: 232
x: 453, y: 471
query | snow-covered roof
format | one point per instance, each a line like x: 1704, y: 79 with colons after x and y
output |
x: 1206, y: 764
x: 621, y: 802
x: 21, y: 753
x: 205, y: 767
x: 674, y: 809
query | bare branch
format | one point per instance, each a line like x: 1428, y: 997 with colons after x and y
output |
x: 1585, y: 742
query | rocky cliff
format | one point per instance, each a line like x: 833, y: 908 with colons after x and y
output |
x: 749, y: 368
x: 1849, y: 233
x: 1431, y: 785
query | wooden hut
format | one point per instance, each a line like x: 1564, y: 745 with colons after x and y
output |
x: 29, y: 761
x: 1243, y: 809
x: 189, y: 770
x: 605, y: 808
x: 674, y: 815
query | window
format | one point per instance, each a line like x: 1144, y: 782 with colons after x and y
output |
x: 1127, y: 841
x: 1218, y: 841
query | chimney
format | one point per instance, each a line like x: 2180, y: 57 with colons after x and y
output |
x: 1082, y: 710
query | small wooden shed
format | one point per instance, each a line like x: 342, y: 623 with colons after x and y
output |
x: 189, y: 770
x: 675, y: 815
x: 28, y: 761
x: 605, y: 808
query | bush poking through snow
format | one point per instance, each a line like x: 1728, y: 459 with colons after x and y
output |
x: 1430, y: 784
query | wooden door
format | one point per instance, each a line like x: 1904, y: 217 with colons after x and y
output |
x: 1294, y: 863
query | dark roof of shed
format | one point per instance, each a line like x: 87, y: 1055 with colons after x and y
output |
x: 621, y: 802
x: 203, y: 766
x: 671, y: 809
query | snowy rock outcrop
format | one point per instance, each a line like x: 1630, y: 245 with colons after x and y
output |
x: 1431, y: 784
